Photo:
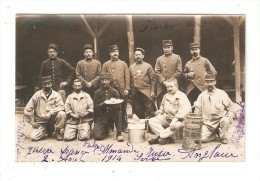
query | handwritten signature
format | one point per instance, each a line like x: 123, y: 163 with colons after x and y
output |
x: 153, y: 155
x: 200, y: 155
x: 240, y: 126
x: 153, y: 26
x: 20, y: 136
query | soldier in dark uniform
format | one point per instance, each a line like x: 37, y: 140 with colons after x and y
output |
x: 88, y: 71
x: 60, y: 71
x: 142, y: 79
x: 167, y: 67
x: 195, y: 71
x: 105, y: 113
x: 119, y: 72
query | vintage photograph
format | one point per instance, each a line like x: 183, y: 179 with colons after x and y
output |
x: 130, y: 87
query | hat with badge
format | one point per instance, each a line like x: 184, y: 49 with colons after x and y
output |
x: 140, y: 49
x: 105, y: 76
x: 112, y: 48
x: 210, y: 76
x: 88, y: 46
x: 54, y: 46
x: 167, y: 43
x: 46, y: 79
x: 195, y: 45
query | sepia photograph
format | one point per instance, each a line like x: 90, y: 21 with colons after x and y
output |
x: 130, y: 87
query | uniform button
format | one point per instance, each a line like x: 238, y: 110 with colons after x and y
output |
x: 199, y: 79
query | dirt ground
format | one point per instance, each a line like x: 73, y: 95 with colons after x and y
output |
x: 109, y: 150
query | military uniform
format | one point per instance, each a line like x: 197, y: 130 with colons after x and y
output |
x: 59, y: 70
x: 105, y: 113
x: 166, y: 68
x: 200, y: 67
x: 142, y: 79
x: 38, y: 107
x: 120, y: 80
x: 89, y: 71
x: 79, y: 104
x: 173, y: 106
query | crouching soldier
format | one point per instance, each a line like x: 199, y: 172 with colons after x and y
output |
x: 175, y: 105
x: 45, y: 112
x: 79, y: 109
x: 217, y: 111
x: 104, y: 114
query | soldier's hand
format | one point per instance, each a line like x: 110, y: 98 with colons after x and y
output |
x: 35, y: 125
x: 63, y: 84
x: 173, y: 123
x: 191, y: 74
x: 126, y: 92
x: 89, y: 85
x: 74, y: 115
x: 152, y: 94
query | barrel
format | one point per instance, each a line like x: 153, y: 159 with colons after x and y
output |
x: 192, y: 132
x: 136, y: 132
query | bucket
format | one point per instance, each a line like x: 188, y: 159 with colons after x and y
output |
x: 136, y: 132
x: 192, y: 132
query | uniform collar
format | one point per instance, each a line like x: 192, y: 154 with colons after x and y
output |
x: 195, y: 58
x: 77, y: 95
x: 42, y: 94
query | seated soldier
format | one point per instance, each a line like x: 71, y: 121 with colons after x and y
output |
x: 217, y: 111
x: 79, y: 109
x: 104, y: 114
x: 175, y: 105
x: 45, y: 112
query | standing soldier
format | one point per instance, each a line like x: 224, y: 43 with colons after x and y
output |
x: 167, y: 67
x: 88, y: 71
x: 120, y: 79
x: 142, y: 79
x: 60, y: 71
x: 195, y: 71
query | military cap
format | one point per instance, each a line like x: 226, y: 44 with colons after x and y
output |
x: 105, y: 76
x: 210, y: 76
x: 167, y: 43
x: 46, y: 79
x: 140, y: 49
x: 54, y: 46
x: 195, y: 45
x: 113, y: 47
x: 88, y: 46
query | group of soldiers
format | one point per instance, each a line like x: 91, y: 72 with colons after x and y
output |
x: 54, y: 110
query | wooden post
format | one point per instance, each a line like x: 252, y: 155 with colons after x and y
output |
x: 130, y: 36
x: 95, y: 48
x: 197, y: 23
x: 237, y: 58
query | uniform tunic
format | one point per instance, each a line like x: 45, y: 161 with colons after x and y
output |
x: 200, y: 67
x: 78, y: 104
x: 37, y: 109
x: 119, y: 73
x: 167, y: 67
x: 89, y: 71
x: 104, y: 114
x: 59, y: 70
x: 213, y: 106
x: 142, y: 78
x: 173, y: 106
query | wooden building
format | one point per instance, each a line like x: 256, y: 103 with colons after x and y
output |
x: 222, y: 41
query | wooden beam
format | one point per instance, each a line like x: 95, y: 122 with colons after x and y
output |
x: 237, y: 58
x: 88, y: 26
x: 103, y: 28
x: 197, y: 23
x: 130, y: 36
x: 228, y: 19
